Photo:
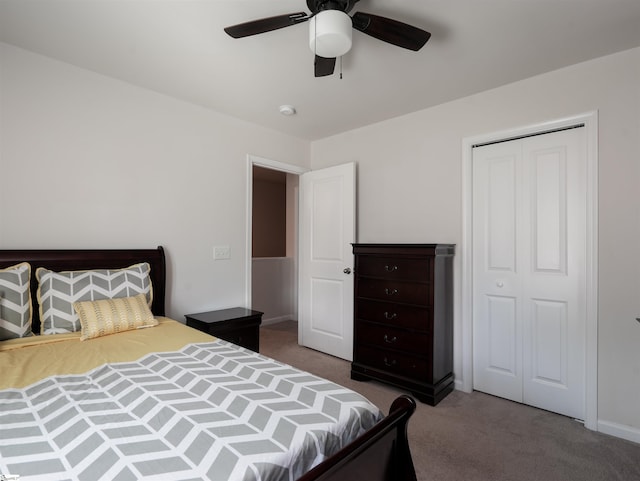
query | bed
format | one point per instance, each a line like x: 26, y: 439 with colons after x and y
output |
x: 154, y: 399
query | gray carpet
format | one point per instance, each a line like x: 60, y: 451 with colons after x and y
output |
x: 477, y: 437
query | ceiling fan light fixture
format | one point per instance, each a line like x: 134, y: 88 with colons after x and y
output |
x: 330, y: 33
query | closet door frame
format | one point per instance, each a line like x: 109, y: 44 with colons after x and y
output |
x: 590, y: 122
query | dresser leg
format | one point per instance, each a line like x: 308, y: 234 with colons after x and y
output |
x: 423, y: 398
x: 356, y: 376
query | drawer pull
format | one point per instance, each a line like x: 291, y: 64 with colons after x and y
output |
x: 389, y: 363
x: 388, y: 316
x: 390, y: 292
x: 390, y: 268
x: 390, y: 340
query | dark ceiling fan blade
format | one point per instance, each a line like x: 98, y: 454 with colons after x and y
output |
x: 265, y: 24
x: 390, y: 31
x: 324, y: 66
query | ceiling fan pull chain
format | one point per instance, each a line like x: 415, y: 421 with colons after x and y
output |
x: 340, y: 67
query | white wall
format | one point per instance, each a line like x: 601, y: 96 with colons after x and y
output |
x: 89, y: 161
x: 409, y: 190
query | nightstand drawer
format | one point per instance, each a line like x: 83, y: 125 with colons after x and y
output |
x: 394, y: 291
x: 394, y: 268
x: 386, y: 337
x: 398, y: 315
x: 248, y: 337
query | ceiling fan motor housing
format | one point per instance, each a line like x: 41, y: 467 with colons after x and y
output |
x: 330, y: 33
x: 316, y: 6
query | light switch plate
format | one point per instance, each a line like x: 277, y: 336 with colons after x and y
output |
x: 221, y: 252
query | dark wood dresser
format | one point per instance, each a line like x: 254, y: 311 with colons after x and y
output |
x: 403, y: 332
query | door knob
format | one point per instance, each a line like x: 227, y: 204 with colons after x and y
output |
x: 347, y: 270
x: 500, y: 284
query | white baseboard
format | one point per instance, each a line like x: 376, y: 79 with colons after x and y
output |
x: 459, y: 385
x: 619, y: 431
x: 275, y: 320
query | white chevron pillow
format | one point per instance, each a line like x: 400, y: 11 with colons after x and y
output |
x: 15, y: 302
x: 57, y: 291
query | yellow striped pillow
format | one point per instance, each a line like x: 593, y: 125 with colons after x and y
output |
x: 110, y: 316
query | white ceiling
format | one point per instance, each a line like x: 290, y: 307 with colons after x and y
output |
x: 179, y: 48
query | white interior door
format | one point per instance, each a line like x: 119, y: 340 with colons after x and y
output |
x: 327, y: 230
x: 529, y: 270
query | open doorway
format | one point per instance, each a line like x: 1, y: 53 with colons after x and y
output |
x: 272, y: 241
x: 324, y: 229
x: 273, y: 245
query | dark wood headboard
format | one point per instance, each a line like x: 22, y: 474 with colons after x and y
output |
x: 85, y: 259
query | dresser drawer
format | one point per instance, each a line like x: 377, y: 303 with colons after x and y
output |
x: 393, y: 362
x: 392, y: 338
x: 398, y: 315
x: 409, y: 269
x: 394, y: 291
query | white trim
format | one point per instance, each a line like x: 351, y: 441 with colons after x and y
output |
x: 590, y: 121
x: 269, y: 164
x: 591, y: 361
x: 277, y: 319
x: 276, y: 165
x: 619, y: 431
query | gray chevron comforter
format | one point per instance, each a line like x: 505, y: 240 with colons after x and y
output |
x: 210, y: 411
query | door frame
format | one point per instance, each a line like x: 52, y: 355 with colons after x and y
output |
x: 590, y: 121
x: 273, y: 165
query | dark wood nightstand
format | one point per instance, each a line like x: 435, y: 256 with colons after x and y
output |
x: 238, y: 325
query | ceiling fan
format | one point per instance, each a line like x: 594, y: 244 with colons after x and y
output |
x: 331, y: 27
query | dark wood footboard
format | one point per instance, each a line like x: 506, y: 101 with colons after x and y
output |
x: 380, y: 454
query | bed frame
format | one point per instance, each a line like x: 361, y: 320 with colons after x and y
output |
x: 380, y: 454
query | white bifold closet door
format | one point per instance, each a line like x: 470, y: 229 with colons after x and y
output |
x: 529, y: 270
